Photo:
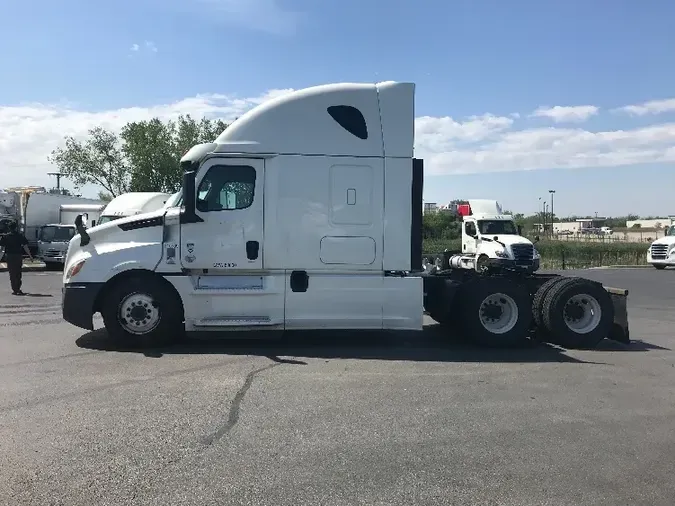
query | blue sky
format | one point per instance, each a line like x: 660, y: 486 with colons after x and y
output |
x: 476, y: 64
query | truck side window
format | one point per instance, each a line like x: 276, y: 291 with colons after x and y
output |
x: 470, y: 228
x: 226, y: 187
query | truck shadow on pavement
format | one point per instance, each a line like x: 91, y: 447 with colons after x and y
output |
x: 428, y: 346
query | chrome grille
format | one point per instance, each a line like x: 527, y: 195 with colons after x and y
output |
x: 51, y: 253
x: 659, y: 251
x: 523, y: 253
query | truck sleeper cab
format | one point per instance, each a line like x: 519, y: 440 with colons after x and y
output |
x: 305, y: 213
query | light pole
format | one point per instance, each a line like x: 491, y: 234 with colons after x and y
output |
x: 552, y: 192
x: 541, y: 215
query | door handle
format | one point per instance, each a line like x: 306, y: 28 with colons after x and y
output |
x: 252, y: 250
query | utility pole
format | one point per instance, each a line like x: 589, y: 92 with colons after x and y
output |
x: 58, y: 179
x: 552, y: 192
x: 541, y: 215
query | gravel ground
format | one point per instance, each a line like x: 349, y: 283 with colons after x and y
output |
x: 377, y: 420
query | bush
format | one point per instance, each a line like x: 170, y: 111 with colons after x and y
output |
x: 574, y: 254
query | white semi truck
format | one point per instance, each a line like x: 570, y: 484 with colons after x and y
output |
x: 306, y: 213
x: 491, y: 241
x: 133, y: 203
x: 661, y: 253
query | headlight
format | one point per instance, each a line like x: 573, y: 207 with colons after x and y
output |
x: 501, y: 254
x: 74, y: 269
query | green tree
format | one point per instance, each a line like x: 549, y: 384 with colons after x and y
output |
x: 98, y: 160
x: 145, y: 156
x: 154, y: 148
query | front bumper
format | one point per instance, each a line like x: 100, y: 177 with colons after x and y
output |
x: 512, y: 265
x: 77, y: 303
x: 52, y: 260
x: 667, y: 260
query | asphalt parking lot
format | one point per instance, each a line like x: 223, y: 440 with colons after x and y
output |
x: 373, y: 420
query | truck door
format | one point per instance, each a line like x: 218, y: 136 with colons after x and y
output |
x: 469, y: 232
x: 230, y: 201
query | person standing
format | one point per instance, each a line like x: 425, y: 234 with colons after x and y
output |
x: 15, y: 243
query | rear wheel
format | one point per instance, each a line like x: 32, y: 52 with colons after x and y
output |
x: 142, y: 312
x: 496, y: 312
x: 578, y: 313
x: 538, y: 300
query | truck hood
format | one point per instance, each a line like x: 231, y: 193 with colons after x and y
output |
x: 134, y: 242
x: 141, y: 228
x: 510, y: 240
x: 667, y: 240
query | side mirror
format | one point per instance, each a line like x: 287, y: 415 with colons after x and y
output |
x: 84, y: 236
x: 188, y: 214
x: 536, y: 238
x: 520, y: 230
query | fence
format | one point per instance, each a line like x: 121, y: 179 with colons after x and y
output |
x: 618, y: 236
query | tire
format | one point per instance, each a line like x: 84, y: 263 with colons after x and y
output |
x: 513, y: 312
x: 569, y: 328
x: 538, y: 300
x: 659, y: 267
x: 162, y: 323
x: 482, y: 265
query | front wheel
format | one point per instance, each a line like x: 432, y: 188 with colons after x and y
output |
x: 659, y: 267
x: 496, y: 312
x: 142, y: 312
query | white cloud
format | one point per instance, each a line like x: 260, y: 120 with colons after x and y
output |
x: 29, y: 132
x: 566, y: 114
x: 549, y: 148
x: 482, y: 143
x: 651, y: 107
x: 148, y: 46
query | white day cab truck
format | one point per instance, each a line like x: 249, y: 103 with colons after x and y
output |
x: 306, y: 213
x: 491, y: 241
x: 661, y: 253
x: 53, y: 238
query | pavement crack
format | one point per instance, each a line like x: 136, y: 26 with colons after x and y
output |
x: 235, y: 406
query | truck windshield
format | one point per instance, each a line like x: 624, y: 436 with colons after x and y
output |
x: 175, y: 200
x: 106, y: 219
x: 671, y: 231
x: 495, y: 227
x: 57, y: 234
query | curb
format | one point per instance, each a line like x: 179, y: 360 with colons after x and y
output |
x: 26, y: 267
x: 623, y: 267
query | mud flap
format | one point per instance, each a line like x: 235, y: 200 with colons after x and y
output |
x: 620, y: 331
